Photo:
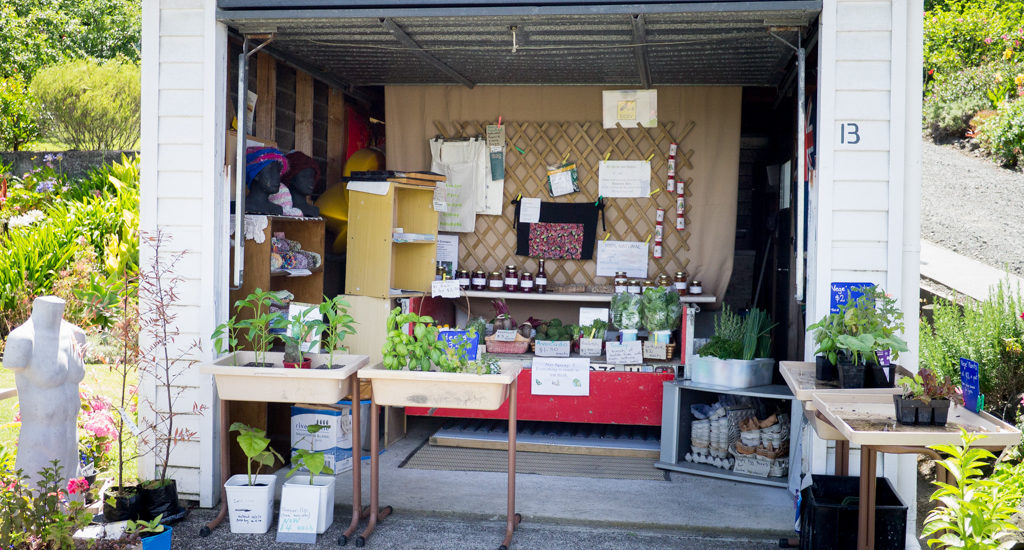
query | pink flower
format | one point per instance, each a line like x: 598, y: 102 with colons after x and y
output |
x: 78, y: 485
x: 1022, y: 315
x: 1005, y: 37
x: 988, y: 40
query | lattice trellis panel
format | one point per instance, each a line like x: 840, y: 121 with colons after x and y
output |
x: 493, y: 244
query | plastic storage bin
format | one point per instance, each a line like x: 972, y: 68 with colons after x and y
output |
x: 828, y: 515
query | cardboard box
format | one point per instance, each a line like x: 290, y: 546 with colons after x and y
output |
x: 337, y: 427
x: 337, y: 459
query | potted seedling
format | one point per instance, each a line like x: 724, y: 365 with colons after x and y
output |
x: 251, y: 497
x: 868, y: 339
x: 337, y: 325
x: 121, y: 501
x: 925, y: 399
x: 826, y: 337
x: 257, y: 327
x: 315, y: 463
x: 154, y: 535
x: 296, y: 337
x: 418, y: 370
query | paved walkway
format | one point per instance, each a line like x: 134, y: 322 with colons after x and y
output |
x: 963, y: 274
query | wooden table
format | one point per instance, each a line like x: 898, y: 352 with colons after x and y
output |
x: 272, y: 385
x: 869, y: 420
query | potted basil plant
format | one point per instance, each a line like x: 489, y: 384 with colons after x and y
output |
x: 251, y: 497
x: 925, y: 399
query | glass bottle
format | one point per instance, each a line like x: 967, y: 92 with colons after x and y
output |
x: 621, y: 282
x: 680, y: 282
x: 463, y: 278
x: 479, y: 280
x: 511, y: 278
x: 541, y: 281
x: 526, y: 282
x: 494, y: 282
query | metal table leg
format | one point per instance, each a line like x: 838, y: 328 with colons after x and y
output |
x: 512, y: 518
x: 225, y: 470
x: 842, y: 457
x: 376, y: 514
x: 357, y: 453
x: 868, y: 493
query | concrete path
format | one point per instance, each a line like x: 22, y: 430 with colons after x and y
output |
x: 963, y: 274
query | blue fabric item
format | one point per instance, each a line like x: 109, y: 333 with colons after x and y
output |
x: 257, y: 158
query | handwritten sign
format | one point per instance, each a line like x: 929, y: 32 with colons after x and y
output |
x: 560, y: 376
x: 456, y: 337
x: 624, y: 178
x: 625, y: 353
x: 529, y: 210
x: 655, y: 351
x: 628, y: 256
x: 552, y: 349
x: 591, y: 347
x: 445, y: 289
x: 971, y: 384
x: 841, y: 293
x: 297, y: 518
x: 505, y: 335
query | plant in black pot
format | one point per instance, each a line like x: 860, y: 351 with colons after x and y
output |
x: 120, y: 500
x: 162, y: 362
x: 925, y: 399
x: 868, y: 339
x: 826, y: 337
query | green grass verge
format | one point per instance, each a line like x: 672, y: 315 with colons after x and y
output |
x: 99, y: 379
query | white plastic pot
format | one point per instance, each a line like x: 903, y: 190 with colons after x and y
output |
x: 250, y: 508
x: 325, y: 497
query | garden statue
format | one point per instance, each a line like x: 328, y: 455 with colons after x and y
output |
x: 301, y: 178
x: 263, y: 169
x: 45, y: 354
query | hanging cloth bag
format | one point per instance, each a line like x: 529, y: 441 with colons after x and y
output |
x: 460, y: 162
x: 565, y: 231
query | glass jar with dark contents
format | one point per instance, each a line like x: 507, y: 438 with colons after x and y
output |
x: 479, y: 280
x: 463, y: 278
x: 526, y: 282
x: 511, y: 278
x: 495, y: 282
x: 541, y: 281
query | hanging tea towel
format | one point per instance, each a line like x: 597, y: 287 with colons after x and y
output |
x: 564, y: 231
x: 466, y: 166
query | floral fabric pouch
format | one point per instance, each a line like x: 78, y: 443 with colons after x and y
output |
x: 565, y: 231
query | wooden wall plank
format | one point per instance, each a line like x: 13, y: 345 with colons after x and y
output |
x: 336, y: 136
x: 304, y: 113
x: 266, y: 102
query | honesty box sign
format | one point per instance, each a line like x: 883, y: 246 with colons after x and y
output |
x: 970, y: 384
x: 560, y: 376
x: 842, y: 293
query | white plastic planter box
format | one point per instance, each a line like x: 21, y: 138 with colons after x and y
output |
x: 278, y: 384
x: 324, y: 486
x: 731, y: 373
x: 250, y: 508
x: 405, y: 388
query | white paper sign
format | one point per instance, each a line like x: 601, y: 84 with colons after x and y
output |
x: 624, y: 178
x: 295, y: 309
x: 655, y: 351
x: 552, y: 349
x: 591, y: 347
x: 629, y: 108
x: 505, y: 335
x: 529, y: 210
x: 448, y: 252
x: 561, y: 183
x: 297, y: 518
x: 590, y: 314
x: 560, y: 376
x: 625, y: 353
x: 440, y: 197
x: 445, y: 289
x: 628, y: 256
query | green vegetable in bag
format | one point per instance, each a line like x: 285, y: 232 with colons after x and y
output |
x: 661, y: 309
x: 626, y: 310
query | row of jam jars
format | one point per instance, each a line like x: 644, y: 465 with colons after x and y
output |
x: 511, y: 280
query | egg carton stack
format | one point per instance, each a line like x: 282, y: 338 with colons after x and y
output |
x: 763, y: 447
x: 712, y: 433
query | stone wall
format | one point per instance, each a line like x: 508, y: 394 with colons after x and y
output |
x: 75, y: 163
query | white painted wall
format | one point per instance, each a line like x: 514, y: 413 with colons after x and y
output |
x: 183, y: 87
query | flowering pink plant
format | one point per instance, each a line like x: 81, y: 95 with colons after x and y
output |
x: 77, y: 485
x: 97, y: 432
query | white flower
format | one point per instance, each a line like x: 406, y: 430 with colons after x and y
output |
x: 26, y: 219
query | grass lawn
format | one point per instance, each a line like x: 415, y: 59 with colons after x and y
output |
x: 98, y: 378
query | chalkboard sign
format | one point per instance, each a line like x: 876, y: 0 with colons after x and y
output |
x: 970, y: 384
x: 296, y: 521
x: 841, y: 293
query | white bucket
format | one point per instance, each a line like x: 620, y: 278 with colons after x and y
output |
x: 325, y: 494
x: 250, y: 508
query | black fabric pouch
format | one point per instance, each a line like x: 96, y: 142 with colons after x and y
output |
x: 566, y: 231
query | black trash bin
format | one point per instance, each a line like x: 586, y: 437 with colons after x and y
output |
x: 828, y: 515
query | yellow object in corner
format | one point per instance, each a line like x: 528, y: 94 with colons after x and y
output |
x: 333, y: 203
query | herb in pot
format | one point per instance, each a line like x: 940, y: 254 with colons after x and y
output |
x: 337, y: 326
x: 422, y: 349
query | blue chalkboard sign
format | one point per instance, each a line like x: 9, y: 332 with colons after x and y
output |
x: 841, y: 293
x: 970, y: 384
x: 454, y: 337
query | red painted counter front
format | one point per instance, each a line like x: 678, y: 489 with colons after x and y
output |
x: 632, y: 398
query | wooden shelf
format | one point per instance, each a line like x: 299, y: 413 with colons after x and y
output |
x: 569, y: 297
x: 528, y: 356
x: 771, y: 391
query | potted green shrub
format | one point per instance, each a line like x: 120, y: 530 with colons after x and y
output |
x: 315, y: 463
x: 826, y: 337
x: 418, y: 370
x: 251, y: 497
x: 925, y: 399
x: 154, y: 535
x: 868, y: 339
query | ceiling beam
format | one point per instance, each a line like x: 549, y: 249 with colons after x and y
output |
x: 418, y: 50
x: 639, y: 51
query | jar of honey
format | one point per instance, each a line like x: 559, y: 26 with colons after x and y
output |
x: 680, y: 282
x: 621, y: 282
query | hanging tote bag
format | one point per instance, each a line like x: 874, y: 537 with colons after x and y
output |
x: 461, y: 162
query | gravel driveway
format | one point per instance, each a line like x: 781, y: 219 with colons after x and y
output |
x: 972, y: 206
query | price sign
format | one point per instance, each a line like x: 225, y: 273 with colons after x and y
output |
x: 505, y: 335
x: 444, y: 289
x: 591, y: 347
x: 971, y: 384
x: 297, y: 518
x: 841, y: 293
x: 655, y: 351
x: 625, y: 353
x: 552, y: 349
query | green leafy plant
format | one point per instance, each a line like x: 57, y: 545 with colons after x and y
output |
x: 225, y: 338
x: 596, y: 329
x: 312, y: 461
x: 975, y: 513
x: 826, y: 336
x: 738, y: 337
x: 870, y: 323
x: 1002, y: 135
x: 298, y: 329
x: 757, y: 335
x: 91, y: 105
x: 337, y: 325
x: 145, y: 528
x: 256, y: 446
x: 422, y: 349
x: 258, y: 326
x: 19, y: 114
x: 626, y: 310
x: 43, y: 516
x: 926, y: 385
x: 660, y: 308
